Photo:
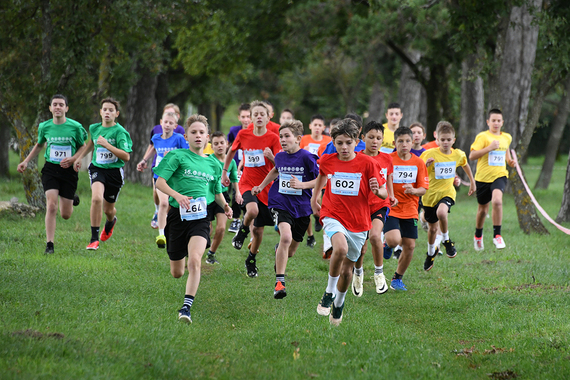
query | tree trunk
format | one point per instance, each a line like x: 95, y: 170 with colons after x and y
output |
x: 140, y: 116
x: 564, y: 213
x: 376, y: 104
x: 410, y: 92
x: 4, y: 147
x: 33, y: 187
x: 554, y: 139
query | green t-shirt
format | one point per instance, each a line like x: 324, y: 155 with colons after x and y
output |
x: 190, y: 174
x: 232, y: 173
x: 63, y: 140
x: 116, y: 136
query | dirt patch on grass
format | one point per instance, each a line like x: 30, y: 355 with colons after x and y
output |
x: 472, y: 350
x: 29, y: 333
x: 503, y: 375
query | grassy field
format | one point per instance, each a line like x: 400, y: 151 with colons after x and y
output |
x: 112, y: 313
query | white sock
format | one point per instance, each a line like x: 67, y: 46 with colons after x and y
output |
x: 398, y: 248
x: 431, y: 249
x: 378, y: 270
x: 358, y: 271
x: 437, y: 240
x: 326, y: 242
x: 445, y: 236
x: 339, y: 300
x: 156, y: 209
x: 161, y: 231
x: 331, y: 285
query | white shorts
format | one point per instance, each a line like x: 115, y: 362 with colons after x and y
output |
x: 355, y: 240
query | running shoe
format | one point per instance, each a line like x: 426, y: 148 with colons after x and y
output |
x: 357, y: 284
x: 251, y: 268
x: 49, y: 248
x: 387, y: 252
x: 397, y: 252
x: 499, y: 242
x: 234, y: 226
x: 154, y: 221
x: 184, y: 314
x: 327, y: 254
x: 380, y: 281
x: 450, y: 250
x: 93, y: 246
x: 397, y: 284
x: 335, y: 317
x: 161, y: 241
x: 107, y: 235
x: 428, y: 263
x: 478, y: 243
x: 76, y: 200
x: 318, y: 225
x: 324, y: 306
x: 211, y: 259
x: 280, y: 291
x: 311, y: 242
x: 237, y: 241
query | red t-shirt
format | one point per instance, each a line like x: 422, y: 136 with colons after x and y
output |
x: 255, y: 165
x: 429, y: 145
x: 308, y: 143
x: 271, y: 127
x: 348, y: 189
x: 384, y: 160
x: 414, y: 172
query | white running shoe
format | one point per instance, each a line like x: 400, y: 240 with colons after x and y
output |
x: 478, y: 243
x: 380, y: 281
x: 357, y: 284
x: 499, y: 242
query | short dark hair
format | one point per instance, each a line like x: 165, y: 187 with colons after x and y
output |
x: 318, y: 116
x: 295, y: 126
x: 402, y: 131
x: 394, y: 105
x: 444, y: 127
x: 348, y: 127
x: 243, y: 107
x: 354, y: 117
x: 288, y: 110
x: 59, y: 96
x: 112, y: 101
x: 217, y: 134
x: 372, y: 125
x: 419, y: 125
x: 494, y: 111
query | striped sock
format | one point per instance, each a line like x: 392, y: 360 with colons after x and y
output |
x: 188, y: 300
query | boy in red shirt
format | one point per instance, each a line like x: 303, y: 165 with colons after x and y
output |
x: 259, y: 149
x: 350, y: 179
x: 410, y: 182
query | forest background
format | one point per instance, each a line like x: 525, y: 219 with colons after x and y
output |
x: 441, y: 60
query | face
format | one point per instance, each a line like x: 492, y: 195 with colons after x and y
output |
x: 244, y: 118
x: 394, y: 115
x: 403, y: 144
x: 495, y: 122
x: 317, y: 126
x: 58, y: 108
x: 219, y: 145
x: 285, y: 117
x: 417, y: 135
x: 345, y: 146
x: 168, y: 123
x: 197, y: 135
x: 288, y: 140
x: 373, y: 140
x: 259, y: 116
x: 108, y: 112
x: 446, y: 140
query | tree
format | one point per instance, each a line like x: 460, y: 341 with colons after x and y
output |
x: 564, y: 213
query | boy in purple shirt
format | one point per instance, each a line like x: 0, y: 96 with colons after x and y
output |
x: 290, y: 196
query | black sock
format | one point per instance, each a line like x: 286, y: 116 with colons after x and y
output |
x: 211, y: 253
x: 496, y: 231
x: 188, y: 300
x: 94, y: 234
x: 246, y: 229
x: 109, y: 225
x: 251, y: 256
x: 478, y: 232
x: 397, y: 276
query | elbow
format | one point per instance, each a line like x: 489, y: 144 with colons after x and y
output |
x: 127, y: 157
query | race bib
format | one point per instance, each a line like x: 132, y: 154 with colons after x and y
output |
x: 158, y: 159
x: 104, y: 156
x: 285, y: 185
x: 405, y: 174
x: 497, y: 157
x: 254, y: 158
x: 58, y: 152
x: 197, y: 210
x: 385, y: 149
x: 345, y: 183
x: 314, y: 148
x: 444, y: 170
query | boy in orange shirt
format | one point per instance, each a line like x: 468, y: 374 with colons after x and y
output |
x: 313, y: 141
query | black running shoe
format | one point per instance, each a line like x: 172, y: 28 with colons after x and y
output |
x: 239, y: 238
x: 428, y: 264
x: 397, y: 253
x: 251, y: 268
x: 311, y: 242
x: 450, y: 250
x: 49, y: 248
x: 318, y: 225
x: 280, y: 291
x: 76, y: 200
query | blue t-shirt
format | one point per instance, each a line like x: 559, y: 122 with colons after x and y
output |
x: 303, y: 165
x: 158, y: 129
x: 231, y: 137
x: 162, y: 146
x: 330, y: 149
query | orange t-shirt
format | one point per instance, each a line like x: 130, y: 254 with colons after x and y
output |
x: 429, y: 145
x: 348, y: 189
x: 271, y: 127
x: 312, y: 145
x: 255, y: 165
x: 383, y: 160
x: 414, y: 172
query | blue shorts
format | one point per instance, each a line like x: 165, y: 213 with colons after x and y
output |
x: 408, y: 227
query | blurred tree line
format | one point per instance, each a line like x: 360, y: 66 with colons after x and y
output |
x: 440, y: 59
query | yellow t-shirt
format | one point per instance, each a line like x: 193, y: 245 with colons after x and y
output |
x: 492, y: 165
x: 441, y: 174
x: 388, y: 142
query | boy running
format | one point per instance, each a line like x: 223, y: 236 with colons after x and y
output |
x: 441, y: 165
x: 111, y: 145
x: 259, y: 147
x: 161, y: 144
x: 65, y: 140
x: 393, y: 115
x: 410, y: 182
x: 290, y: 197
x: 491, y: 150
x: 350, y: 178
x: 313, y: 141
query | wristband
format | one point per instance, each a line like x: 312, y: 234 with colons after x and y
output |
x: 225, y: 169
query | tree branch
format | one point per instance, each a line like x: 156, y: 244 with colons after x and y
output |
x: 415, y: 69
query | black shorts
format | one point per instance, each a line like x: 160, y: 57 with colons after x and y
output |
x: 178, y: 233
x: 298, y: 225
x: 264, y: 217
x: 113, y: 179
x: 214, y: 208
x: 54, y: 177
x: 381, y: 214
x: 408, y: 227
x: 430, y: 213
x: 485, y: 189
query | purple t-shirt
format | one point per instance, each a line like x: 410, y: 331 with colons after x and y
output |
x: 417, y: 152
x: 231, y: 137
x: 303, y: 165
x: 158, y: 130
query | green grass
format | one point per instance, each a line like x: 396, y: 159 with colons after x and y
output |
x: 112, y: 313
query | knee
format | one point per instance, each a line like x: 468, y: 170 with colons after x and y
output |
x: 194, y: 264
x: 286, y: 240
x: 497, y: 202
x: 257, y: 232
x: 432, y: 228
x: 176, y: 272
x: 66, y: 214
x: 441, y: 214
x: 409, y: 245
x: 96, y: 200
x: 375, y: 240
x: 51, y: 207
x: 220, y: 229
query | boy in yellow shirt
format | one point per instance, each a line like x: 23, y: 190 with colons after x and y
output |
x: 491, y: 150
x: 440, y: 196
x: 393, y: 115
